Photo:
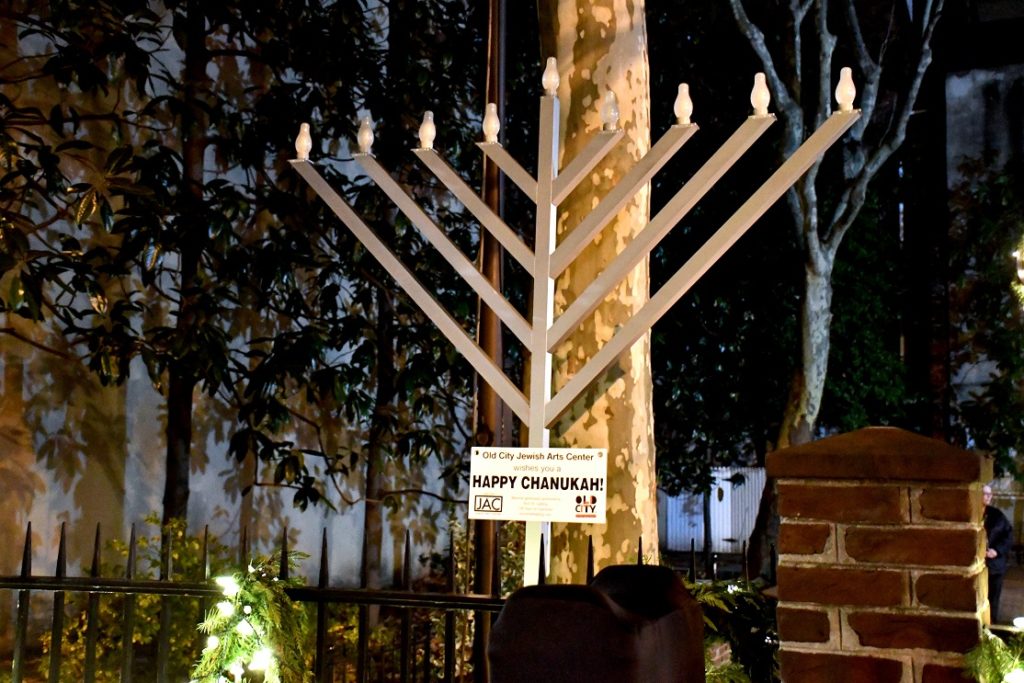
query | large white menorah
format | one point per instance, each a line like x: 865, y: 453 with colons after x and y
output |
x: 543, y: 333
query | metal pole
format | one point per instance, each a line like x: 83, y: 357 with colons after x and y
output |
x: 488, y: 404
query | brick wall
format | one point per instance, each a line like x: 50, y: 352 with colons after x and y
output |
x: 881, y: 558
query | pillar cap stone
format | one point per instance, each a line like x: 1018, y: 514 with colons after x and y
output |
x: 886, y: 453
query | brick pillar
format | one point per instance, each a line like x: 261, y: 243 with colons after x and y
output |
x: 881, y: 558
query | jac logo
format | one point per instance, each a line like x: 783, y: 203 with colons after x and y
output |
x: 487, y: 503
x: 586, y: 506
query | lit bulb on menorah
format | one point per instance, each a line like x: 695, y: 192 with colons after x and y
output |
x: 538, y: 407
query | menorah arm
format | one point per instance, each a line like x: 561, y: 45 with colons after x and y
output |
x: 570, y: 176
x: 698, y: 264
x: 472, y: 201
x: 515, y: 322
x: 449, y: 327
x: 510, y: 167
x: 648, y: 238
x: 620, y: 195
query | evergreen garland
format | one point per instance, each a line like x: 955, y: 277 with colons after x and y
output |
x: 256, y: 633
x: 995, y: 660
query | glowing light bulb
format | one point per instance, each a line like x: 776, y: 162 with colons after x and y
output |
x: 610, y: 111
x: 212, y: 643
x: 229, y: 585
x: 303, y: 143
x: 247, y: 609
x: 236, y: 670
x: 491, y: 123
x: 683, y: 107
x: 1015, y: 676
x: 225, y: 608
x: 1018, y: 622
x: 365, y: 140
x: 244, y: 628
x: 846, y: 90
x: 428, y: 131
x: 550, y: 78
x: 759, y: 96
x: 261, y: 659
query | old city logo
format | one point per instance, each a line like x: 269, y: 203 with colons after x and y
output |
x: 586, y: 506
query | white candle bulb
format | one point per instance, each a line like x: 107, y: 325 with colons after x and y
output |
x: 236, y: 671
x: 245, y: 629
x: 683, y: 107
x: 261, y: 659
x: 225, y: 608
x: 610, y: 111
x: 550, y: 78
x: 212, y: 643
x: 428, y: 131
x: 759, y: 96
x: 365, y: 136
x: 303, y: 143
x: 846, y: 90
x: 228, y: 584
x: 491, y: 123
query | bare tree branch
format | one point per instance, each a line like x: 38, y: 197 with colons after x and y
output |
x: 31, y: 342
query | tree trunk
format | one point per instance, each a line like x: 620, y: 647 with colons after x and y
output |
x: 182, y: 380
x: 809, y: 379
x: 379, y: 435
x: 602, y: 45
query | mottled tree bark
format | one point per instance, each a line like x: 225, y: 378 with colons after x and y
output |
x: 602, y: 45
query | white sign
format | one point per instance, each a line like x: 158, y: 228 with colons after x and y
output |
x: 539, y: 484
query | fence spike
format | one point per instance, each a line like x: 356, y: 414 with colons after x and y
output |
x: 451, y: 561
x: 166, y: 554
x: 496, y: 576
x: 129, y: 572
x: 243, y: 549
x: 640, y: 550
x: 590, y: 559
x: 94, y: 571
x: 324, y: 573
x: 746, y: 564
x: 693, y: 560
x: 542, y: 571
x: 26, y: 555
x: 206, y: 553
x: 62, y: 552
x: 283, y: 573
x: 407, y: 562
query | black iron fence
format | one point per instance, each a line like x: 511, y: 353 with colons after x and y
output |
x: 423, y: 651
x: 422, y: 644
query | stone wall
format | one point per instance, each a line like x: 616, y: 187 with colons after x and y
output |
x: 881, y: 558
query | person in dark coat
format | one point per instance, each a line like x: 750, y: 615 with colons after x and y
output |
x: 1000, y: 540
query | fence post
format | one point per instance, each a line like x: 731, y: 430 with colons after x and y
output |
x: 128, y: 621
x: 92, y: 623
x: 590, y: 559
x: 405, y: 646
x: 57, y: 623
x: 164, y: 636
x: 24, y: 596
x: 319, y: 670
x: 449, y: 616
